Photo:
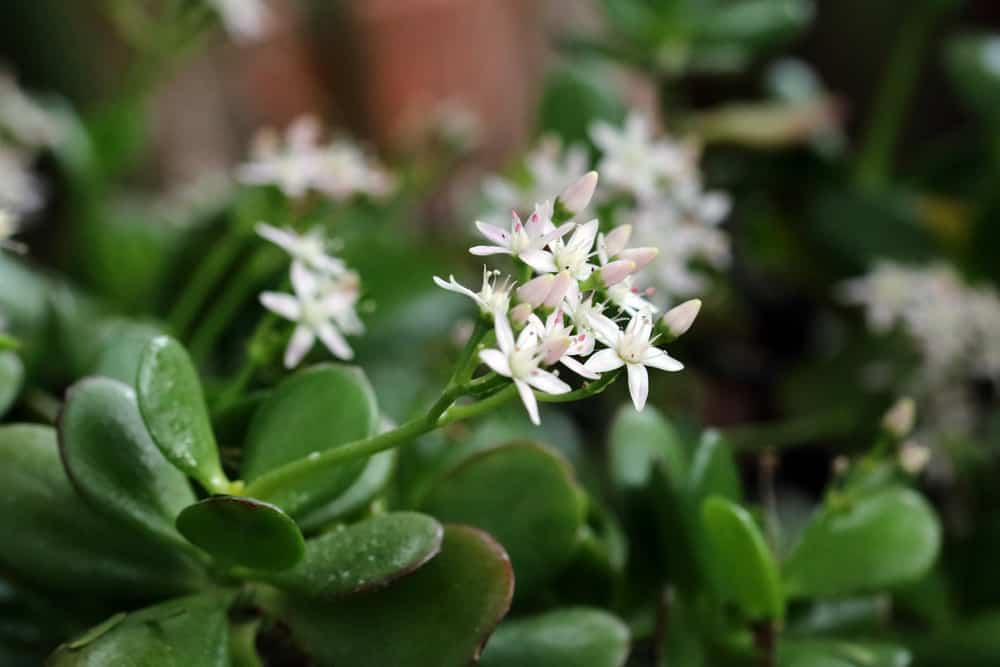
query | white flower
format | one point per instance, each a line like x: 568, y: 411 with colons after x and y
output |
x: 637, y: 163
x: 571, y: 256
x: 588, y: 317
x: 493, y: 295
x: 560, y: 345
x: 519, y: 360
x: 526, y: 241
x: 308, y: 248
x: 8, y: 228
x: 549, y: 168
x: 629, y: 298
x: 320, y: 310
x: 244, y: 19
x: 339, y: 169
x: 633, y: 349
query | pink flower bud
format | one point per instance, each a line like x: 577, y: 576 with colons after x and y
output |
x: 616, y: 240
x: 536, y: 290
x: 680, y: 318
x: 520, y: 313
x: 576, y: 197
x: 615, y: 272
x: 560, y: 286
x: 641, y: 256
x: 554, y: 348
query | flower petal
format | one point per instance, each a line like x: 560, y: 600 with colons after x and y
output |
x: 540, y: 260
x: 548, y: 382
x: 496, y: 360
x: 284, y: 239
x: 485, y: 250
x: 335, y: 341
x: 578, y: 368
x: 638, y: 385
x: 299, y: 345
x: 303, y: 280
x: 528, y: 398
x: 505, y: 336
x: 604, y: 361
x: 493, y: 233
x: 657, y: 358
x: 282, y: 304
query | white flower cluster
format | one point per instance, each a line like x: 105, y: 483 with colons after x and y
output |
x: 245, y: 20
x: 25, y: 130
x: 956, y: 327
x: 300, y: 164
x: 570, y: 301
x: 656, y: 187
x: 324, y: 298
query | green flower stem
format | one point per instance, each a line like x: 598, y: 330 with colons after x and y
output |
x: 468, y: 360
x: 889, y: 109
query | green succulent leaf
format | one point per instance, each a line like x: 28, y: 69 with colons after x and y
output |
x: 640, y: 441
x: 364, y: 556
x: 50, y: 537
x: 740, y: 564
x: 314, y: 410
x: 243, y: 531
x: 11, y: 379
x: 113, y: 462
x: 579, y: 636
x: 827, y: 653
x: 878, y: 541
x: 525, y: 496
x: 439, y: 616
x: 713, y: 470
x: 173, y: 407
x: 121, y: 348
x: 186, y: 632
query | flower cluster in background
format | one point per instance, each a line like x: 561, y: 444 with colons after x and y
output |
x: 569, y: 308
x: 953, y: 326
x: 299, y: 163
x: 654, y: 185
x: 26, y: 129
x: 245, y: 20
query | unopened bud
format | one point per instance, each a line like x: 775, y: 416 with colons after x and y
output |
x: 560, y: 286
x: 536, y: 290
x: 520, y: 313
x: 899, y: 420
x: 680, y: 318
x: 913, y: 458
x: 576, y: 197
x: 616, y: 240
x: 553, y: 349
x: 641, y: 256
x: 615, y: 272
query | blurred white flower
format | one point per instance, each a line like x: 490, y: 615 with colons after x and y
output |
x: 246, y: 20
x: 321, y: 308
x: 310, y: 248
x: 526, y: 241
x: 549, y: 168
x: 25, y: 121
x: 633, y: 349
x: 519, y: 360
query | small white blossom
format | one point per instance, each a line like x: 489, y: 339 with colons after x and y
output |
x: 320, y: 310
x: 549, y: 168
x: 633, y: 349
x: 519, y: 360
x: 560, y: 345
x: 310, y: 248
x: 526, y: 241
x: 246, y: 20
x: 571, y: 255
x: 492, y: 296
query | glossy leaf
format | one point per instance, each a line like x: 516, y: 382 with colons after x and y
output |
x: 579, y: 636
x: 878, y: 541
x: 439, y: 616
x: 315, y: 410
x: 113, y: 462
x: 640, y: 441
x: 11, y: 379
x: 50, y: 537
x: 366, y: 487
x: 364, y: 556
x: 713, y: 470
x: 120, y: 352
x: 523, y: 495
x: 173, y: 407
x: 186, y: 632
x: 741, y: 565
x: 243, y: 531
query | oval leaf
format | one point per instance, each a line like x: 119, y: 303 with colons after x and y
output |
x: 173, y: 407
x: 186, y: 632
x: 740, y: 563
x: 50, y: 537
x: 11, y: 379
x: 524, y: 496
x: 639, y: 442
x: 243, y: 531
x: 314, y: 410
x: 580, y: 637
x: 457, y: 599
x: 713, y: 471
x: 826, y: 653
x: 364, y: 556
x: 114, y: 463
x: 879, y: 541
